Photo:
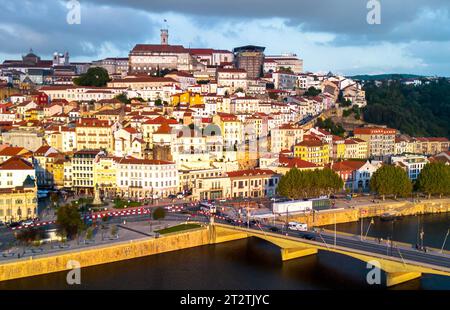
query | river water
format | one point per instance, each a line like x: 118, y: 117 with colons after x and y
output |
x: 250, y: 264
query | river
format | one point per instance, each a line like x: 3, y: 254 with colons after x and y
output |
x: 250, y: 264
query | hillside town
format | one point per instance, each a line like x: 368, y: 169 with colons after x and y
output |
x: 172, y: 121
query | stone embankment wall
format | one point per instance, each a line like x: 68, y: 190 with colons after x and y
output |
x: 403, y: 208
x: 27, y: 267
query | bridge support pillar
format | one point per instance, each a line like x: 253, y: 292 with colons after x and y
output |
x: 394, y: 278
x: 291, y: 253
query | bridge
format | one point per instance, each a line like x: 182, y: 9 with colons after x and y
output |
x: 399, y: 264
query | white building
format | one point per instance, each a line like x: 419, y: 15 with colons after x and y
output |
x: 413, y: 164
x: 144, y: 178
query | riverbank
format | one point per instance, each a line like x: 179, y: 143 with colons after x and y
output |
x: 403, y: 208
x: 97, y: 255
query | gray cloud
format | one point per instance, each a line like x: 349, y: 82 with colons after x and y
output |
x: 343, y: 17
x: 43, y: 26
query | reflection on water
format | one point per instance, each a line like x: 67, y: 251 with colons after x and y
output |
x: 406, y: 229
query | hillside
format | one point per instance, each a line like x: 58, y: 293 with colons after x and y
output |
x: 418, y: 111
x: 380, y: 77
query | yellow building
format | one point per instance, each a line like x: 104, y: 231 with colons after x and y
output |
x: 314, y: 151
x: 58, y: 173
x: 18, y: 203
x: 187, y: 97
x: 338, y: 147
x: 356, y: 148
x: 230, y: 129
x: 105, y: 170
x: 34, y: 114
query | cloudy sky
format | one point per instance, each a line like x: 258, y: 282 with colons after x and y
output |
x: 413, y: 37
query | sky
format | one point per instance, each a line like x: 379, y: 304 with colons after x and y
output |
x: 329, y: 35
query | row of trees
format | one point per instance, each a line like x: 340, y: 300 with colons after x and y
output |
x: 389, y: 180
x: 434, y: 179
x: 297, y: 184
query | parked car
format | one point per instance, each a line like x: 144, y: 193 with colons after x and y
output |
x: 172, y: 196
x: 274, y: 229
x: 13, y: 224
x: 180, y: 196
x: 27, y: 222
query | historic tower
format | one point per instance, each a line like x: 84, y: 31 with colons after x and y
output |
x: 164, y: 36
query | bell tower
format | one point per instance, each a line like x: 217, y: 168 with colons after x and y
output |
x: 164, y: 36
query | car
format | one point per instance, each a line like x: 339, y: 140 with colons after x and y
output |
x: 274, y: 229
x: 180, y: 196
x: 27, y: 222
x: 13, y: 224
x: 172, y: 196
x: 309, y: 237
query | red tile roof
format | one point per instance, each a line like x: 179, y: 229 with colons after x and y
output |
x: 16, y: 163
x: 250, y: 172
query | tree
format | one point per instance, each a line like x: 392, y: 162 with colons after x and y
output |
x: 296, y: 184
x: 54, y: 199
x: 329, y: 125
x: 68, y: 220
x: 434, y: 179
x: 312, y: 92
x: 89, y: 233
x: 159, y: 213
x: 95, y: 76
x: 391, y: 180
x: 123, y: 98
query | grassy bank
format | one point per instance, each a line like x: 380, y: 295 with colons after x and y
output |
x: 180, y: 227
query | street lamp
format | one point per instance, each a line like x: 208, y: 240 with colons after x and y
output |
x: 445, y: 240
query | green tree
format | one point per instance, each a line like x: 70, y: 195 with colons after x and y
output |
x: 95, y: 76
x: 89, y: 233
x: 296, y: 184
x: 329, y: 125
x: 434, y: 179
x: 312, y: 92
x: 54, y: 199
x: 123, y: 98
x: 159, y: 213
x: 391, y: 180
x: 68, y: 221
